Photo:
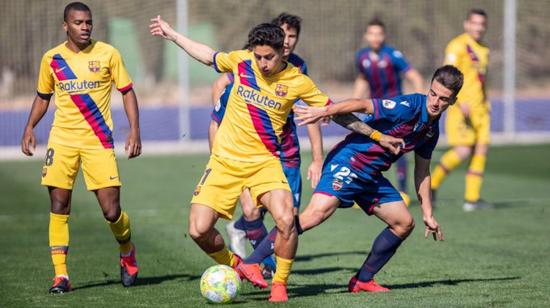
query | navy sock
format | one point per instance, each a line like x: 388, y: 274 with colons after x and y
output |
x: 255, y: 231
x: 264, y: 249
x: 240, y: 223
x: 383, y: 248
x: 402, y: 174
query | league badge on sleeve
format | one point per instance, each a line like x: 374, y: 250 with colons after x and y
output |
x: 388, y: 104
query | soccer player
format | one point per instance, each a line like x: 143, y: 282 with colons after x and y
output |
x: 381, y: 68
x: 250, y: 225
x: 352, y: 171
x: 80, y: 72
x: 246, y: 151
x: 468, y: 122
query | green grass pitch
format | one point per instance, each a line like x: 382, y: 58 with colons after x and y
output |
x: 498, y: 257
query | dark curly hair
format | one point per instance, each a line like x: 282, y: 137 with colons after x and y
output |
x: 293, y: 21
x: 266, y: 34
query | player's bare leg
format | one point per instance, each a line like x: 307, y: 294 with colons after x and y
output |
x: 119, y: 222
x: 201, y: 229
x: 400, y: 224
x: 59, y: 237
x: 279, y: 204
x: 320, y: 208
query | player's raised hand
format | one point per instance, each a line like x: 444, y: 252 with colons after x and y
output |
x: 28, y: 142
x: 392, y: 143
x: 133, y: 145
x: 309, y: 114
x: 433, y: 228
x: 159, y: 27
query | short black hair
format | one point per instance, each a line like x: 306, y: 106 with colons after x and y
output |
x: 77, y: 6
x: 450, y: 77
x: 293, y: 21
x: 266, y: 34
x: 476, y: 12
x: 376, y: 22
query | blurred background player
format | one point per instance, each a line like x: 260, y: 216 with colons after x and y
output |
x: 381, y: 68
x: 80, y: 73
x: 246, y: 151
x: 250, y: 225
x: 353, y: 169
x: 468, y: 122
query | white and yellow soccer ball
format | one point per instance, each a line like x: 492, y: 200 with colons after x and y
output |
x: 220, y: 284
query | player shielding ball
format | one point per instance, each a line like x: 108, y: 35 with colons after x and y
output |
x: 352, y: 171
x: 246, y: 151
x: 250, y: 225
x: 80, y: 72
x: 468, y: 123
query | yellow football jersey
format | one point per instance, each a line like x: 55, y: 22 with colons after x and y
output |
x: 471, y: 58
x: 258, y: 107
x: 82, y: 84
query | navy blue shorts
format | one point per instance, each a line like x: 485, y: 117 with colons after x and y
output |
x: 339, y: 180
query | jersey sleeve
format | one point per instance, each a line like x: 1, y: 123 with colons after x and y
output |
x: 119, y: 74
x: 391, y: 109
x: 400, y: 62
x: 219, y: 110
x: 225, y: 62
x: 45, y: 87
x: 452, y: 53
x: 311, y: 95
x: 426, y: 149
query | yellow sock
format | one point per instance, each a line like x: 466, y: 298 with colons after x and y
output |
x: 121, y: 231
x: 224, y: 257
x: 283, y: 270
x: 449, y: 161
x: 474, y: 178
x: 59, y: 242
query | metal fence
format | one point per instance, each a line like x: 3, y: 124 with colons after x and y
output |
x: 331, y: 33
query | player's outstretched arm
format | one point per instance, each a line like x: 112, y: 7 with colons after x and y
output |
x: 198, y: 51
x: 341, y: 114
x: 133, y: 142
x: 422, y: 182
x: 39, y: 108
x: 310, y: 114
x: 316, y: 167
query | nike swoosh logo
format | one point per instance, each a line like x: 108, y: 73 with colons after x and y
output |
x: 57, y: 70
x: 113, y: 177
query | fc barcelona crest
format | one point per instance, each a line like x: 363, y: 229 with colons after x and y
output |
x: 281, y: 90
x: 94, y: 66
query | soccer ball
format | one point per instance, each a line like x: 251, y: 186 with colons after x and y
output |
x: 220, y: 284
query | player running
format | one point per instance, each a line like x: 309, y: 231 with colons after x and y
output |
x: 381, y: 68
x: 250, y: 225
x: 352, y: 171
x: 80, y: 73
x: 246, y: 151
x: 468, y: 122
